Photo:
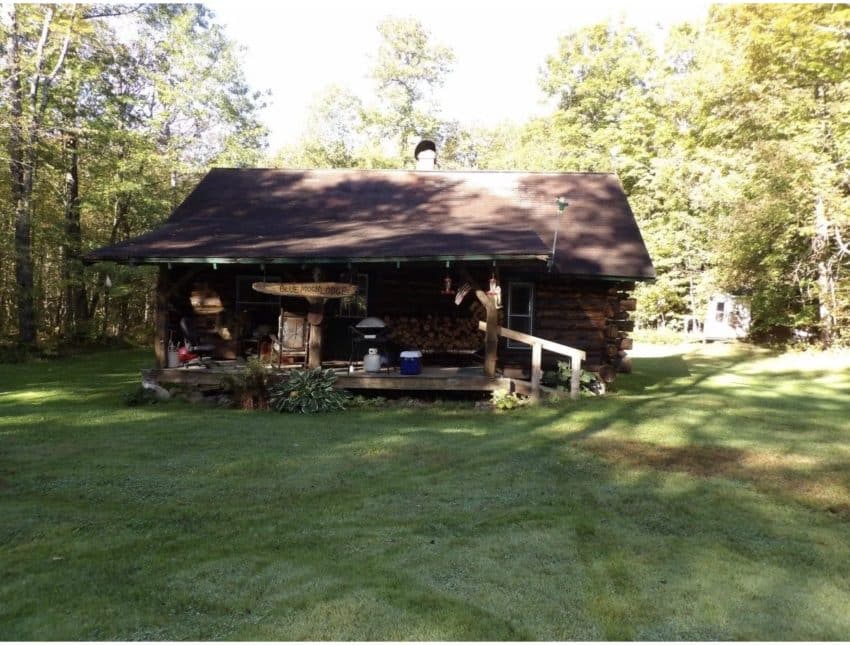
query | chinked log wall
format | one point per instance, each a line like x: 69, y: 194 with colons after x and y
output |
x: 593, y: 316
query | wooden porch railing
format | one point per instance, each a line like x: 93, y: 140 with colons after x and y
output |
x: 576, y: 356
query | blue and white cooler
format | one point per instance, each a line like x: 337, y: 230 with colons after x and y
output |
x: 411, y: 363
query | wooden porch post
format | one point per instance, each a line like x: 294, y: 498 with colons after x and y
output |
x: 315, y: 316
x: 536, y: 371
x: 491, y: 342
x: 575, y: 377
x: 161, y: 319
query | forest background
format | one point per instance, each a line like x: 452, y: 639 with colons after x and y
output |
x: 732, y: 142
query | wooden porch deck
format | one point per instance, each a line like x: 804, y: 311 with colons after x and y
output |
x: 432, y: 378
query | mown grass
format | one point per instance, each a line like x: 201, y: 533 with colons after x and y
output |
x: 706, y: 499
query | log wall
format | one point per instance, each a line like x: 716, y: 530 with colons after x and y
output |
x: 593, y: 316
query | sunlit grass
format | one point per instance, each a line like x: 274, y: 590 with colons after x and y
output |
x: 700, y: 500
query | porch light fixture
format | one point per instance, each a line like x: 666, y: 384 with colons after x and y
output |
x: 562, y: 204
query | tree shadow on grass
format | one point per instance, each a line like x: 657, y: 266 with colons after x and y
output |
x: 459, y: 524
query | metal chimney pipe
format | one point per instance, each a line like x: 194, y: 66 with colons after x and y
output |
x: 425, y: 155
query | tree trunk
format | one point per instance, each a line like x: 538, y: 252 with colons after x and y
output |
x: 825, y: 275
x: 76, y: 318
x: 20, y: 168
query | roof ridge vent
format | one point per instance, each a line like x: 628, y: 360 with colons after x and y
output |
x: 425, y: 154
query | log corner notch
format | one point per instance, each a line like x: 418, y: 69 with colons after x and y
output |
x: 617, y: 328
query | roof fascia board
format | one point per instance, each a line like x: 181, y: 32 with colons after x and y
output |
x: 329, y: 260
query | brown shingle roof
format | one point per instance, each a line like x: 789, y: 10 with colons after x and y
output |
x: 306, y: 215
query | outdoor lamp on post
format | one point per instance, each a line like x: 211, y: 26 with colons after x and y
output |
x: 562, y: 204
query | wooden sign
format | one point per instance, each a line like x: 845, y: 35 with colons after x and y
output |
x: 307, y: 289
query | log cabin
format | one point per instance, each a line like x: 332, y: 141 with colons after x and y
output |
x: 540, y: 257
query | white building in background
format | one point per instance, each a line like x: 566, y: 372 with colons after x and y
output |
x: 727, y: 318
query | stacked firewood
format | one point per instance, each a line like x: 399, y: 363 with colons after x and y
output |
x: 437, y: 333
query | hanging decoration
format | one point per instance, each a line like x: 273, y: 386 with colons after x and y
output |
x: 461, y: 292
x: 495, y: 291
x: 447, y: 282
x: 447, y: 286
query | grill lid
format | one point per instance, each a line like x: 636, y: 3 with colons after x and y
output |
x: 371, y: 323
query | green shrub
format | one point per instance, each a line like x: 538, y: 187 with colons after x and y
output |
x: 249, y: 389
x: 14, y: 354
x: 560, y: 379
x: 139, y: 396
x: 504, y: 400
x: 307, y: 390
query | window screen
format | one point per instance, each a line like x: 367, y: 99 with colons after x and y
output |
x: 520, y: 311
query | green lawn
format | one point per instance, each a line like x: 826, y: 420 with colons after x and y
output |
x: 708, y: 498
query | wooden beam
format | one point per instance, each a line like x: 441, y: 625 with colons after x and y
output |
x: 474, y: 257
x: 491, y: 329
x: 315, y: 315
x: 161, y: 318
x: 530, y: 340
x: 187, y: 376
x: 536, y: 370
x: 575, y: 378
x: 393, y: 382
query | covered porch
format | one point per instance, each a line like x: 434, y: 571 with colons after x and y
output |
x: 450, y: 378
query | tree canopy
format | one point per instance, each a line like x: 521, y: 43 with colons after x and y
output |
x: 732, y: 142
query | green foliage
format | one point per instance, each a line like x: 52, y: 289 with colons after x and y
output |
x: 505, y: 400
x: 250, y: 389
x: 14, y: 353
x: 345, y: 131
x: 139, y: 396
x: 140, y: 99
x: 307, y: 391
x: 561, y: 378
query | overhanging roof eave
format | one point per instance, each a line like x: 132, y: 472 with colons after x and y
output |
x: 472, y: 257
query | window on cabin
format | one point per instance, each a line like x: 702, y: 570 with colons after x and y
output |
x: 721, y: 310
x: 520, y: 312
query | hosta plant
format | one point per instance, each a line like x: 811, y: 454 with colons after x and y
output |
x: 307, y: 390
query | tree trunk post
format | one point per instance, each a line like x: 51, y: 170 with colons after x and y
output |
x: 161, y: 331
x: 575, y: 377
x: 491, y: 341
x: 536, y: 371
x: 315, y: 316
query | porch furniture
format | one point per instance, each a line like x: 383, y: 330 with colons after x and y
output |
x: 316, y: 294
x: 292, y: 335
x: 369, y: 332
x: 192, y: 341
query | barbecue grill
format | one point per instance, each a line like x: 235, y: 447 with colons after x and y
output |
x: 369, y: 332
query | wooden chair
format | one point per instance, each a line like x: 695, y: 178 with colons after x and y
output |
x: 292, y: 337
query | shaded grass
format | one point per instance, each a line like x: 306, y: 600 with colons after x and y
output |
x: 641, y: 515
